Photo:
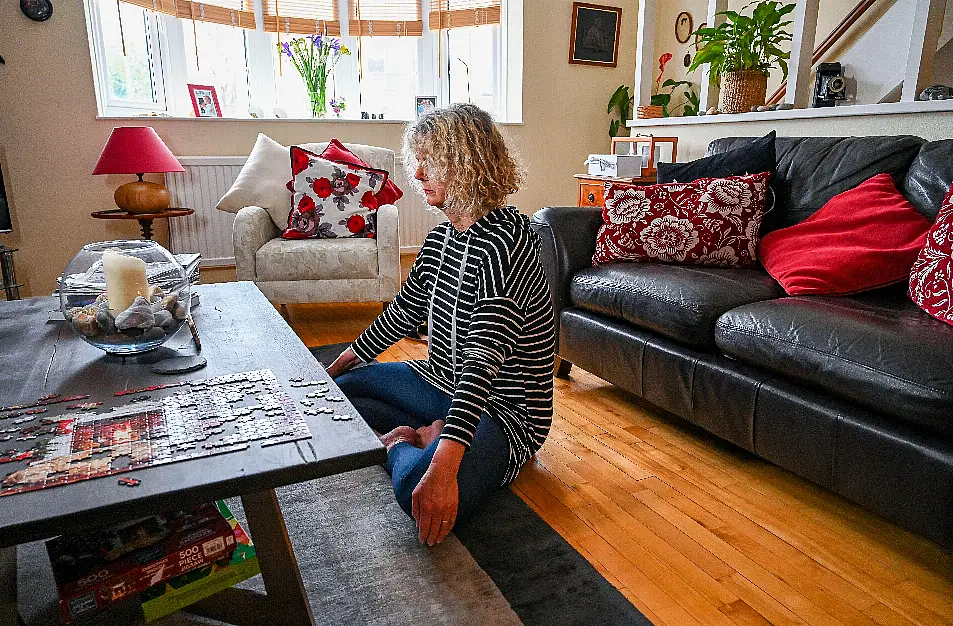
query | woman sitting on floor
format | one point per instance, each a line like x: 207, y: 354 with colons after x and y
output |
x: 462, y: 423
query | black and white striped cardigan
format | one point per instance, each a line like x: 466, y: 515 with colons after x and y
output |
x: 491, y: 330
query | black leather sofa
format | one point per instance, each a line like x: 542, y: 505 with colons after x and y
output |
x: 853, y: 393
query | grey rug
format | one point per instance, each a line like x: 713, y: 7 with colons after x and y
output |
x: 359, y: 557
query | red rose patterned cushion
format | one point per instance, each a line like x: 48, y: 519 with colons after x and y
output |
x: 331, y: 199
x: 711, y: 221
x: 931, y: 279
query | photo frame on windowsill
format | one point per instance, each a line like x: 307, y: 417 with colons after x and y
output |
x: 204, y: 101
x: 594, y: 39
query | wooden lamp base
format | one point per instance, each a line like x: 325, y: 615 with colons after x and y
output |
x: 143, y: 197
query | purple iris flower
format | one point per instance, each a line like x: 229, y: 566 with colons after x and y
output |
x: 286, y: 48
x: 336, y: 44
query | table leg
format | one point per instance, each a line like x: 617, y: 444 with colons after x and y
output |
x: 276, y: 558
x: 146, y: 225
x: 286, y: 600
x: 9, y: 616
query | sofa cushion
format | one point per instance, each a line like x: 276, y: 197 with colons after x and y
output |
x: 812, y: 170
x: 679, y: 302
x: 877, y: 349
x: 709, y: 221
x: 929, y: 177
x: 316, y: 259
x: 862, y: 239
x: 930, y: 286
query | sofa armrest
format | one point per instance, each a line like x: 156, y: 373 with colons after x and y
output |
x: 388, y: 251
x: 252, y: 229
x: 568, y: 237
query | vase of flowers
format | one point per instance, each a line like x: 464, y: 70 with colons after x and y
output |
x: 315, y: 56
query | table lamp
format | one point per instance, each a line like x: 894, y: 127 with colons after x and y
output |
x: 138, y: 150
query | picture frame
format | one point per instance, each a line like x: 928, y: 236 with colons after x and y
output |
x: 683, y: 27
x: 204, y: 101
x: 594, y: 39
x: 425, y: 104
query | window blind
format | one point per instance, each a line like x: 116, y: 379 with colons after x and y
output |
x: 385, y: 18
x: 239, y: 13
x: 459, y: 13
x: 303, y: 17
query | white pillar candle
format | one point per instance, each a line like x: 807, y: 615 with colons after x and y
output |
x: 125, y: 279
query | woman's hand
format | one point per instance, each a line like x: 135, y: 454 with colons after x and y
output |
x: 343, y: 363
x: 435, y: 500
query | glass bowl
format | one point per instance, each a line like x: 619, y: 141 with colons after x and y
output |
x: 125, y: 297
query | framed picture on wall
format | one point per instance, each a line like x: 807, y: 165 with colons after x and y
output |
x: 594, y: 39
x: 204, y: 101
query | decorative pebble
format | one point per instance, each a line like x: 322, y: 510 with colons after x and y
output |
x: 179, y: 312
x: 85, y: 324
x: 785, y: 106
x: 139, y: 315
x: 154, y: 293
x: 170, y: 301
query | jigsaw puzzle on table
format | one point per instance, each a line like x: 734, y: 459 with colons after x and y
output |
x: 160, y: 424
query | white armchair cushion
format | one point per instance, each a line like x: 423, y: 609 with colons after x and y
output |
x: 317, y: 259
x: 263, y: 180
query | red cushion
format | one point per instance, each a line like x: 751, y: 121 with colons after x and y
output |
x: 332, y: 199
x: 710, y: 221
x: 864, y: 238
x: 389, y: 193
x: 931, y: 279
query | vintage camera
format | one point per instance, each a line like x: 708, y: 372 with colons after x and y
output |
x: 829, y: 85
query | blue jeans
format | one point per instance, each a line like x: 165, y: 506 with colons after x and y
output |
x: 388, y: 395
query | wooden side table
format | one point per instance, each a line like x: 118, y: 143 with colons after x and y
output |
x: 592, y: 189
x: 144, y: 219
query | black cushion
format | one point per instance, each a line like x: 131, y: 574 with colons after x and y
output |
x: 681, y: 302
x: 929, y: 177
x: 877, y: 349
x: 812, y: 170
x: 752, y: 158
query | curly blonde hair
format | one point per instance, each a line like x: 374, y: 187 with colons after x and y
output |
x: 461, y: 146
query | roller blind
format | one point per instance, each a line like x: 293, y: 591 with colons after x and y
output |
x: 385, y: 18
x: 239, y: 13
x: 459, y: 13
x: 303, y: 17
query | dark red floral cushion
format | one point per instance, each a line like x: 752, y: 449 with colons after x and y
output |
x: 931, y: 279
x: 710, y: 221
x: 331, y: 199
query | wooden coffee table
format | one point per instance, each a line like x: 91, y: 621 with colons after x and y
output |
x: 241, y: 331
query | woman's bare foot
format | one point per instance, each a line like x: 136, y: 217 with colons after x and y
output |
x: 427, y: 434
x: 401, y: 433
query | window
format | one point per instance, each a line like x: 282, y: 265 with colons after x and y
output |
x: 146, y: 53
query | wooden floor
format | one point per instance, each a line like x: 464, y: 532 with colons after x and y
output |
x: 695, y: 531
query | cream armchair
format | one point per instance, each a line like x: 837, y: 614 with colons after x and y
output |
x: 320, y: 270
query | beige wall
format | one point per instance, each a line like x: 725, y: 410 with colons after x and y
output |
x: 51, y: 137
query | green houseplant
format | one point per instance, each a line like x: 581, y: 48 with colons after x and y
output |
x: 315, y: 56
x: 623, y: 102
x: 742, y: 50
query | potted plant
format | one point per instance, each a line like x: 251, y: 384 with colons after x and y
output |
x: 742, y: 50
x: 661, y: 100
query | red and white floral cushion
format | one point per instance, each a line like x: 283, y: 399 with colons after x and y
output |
x: 931, y: 279
x: 711, y: 221
x: 331, y: 199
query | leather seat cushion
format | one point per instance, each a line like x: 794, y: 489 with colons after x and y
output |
x: 878, y: 349
x: 677, y: 301
x: 317, y: 259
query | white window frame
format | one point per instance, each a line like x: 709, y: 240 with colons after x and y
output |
x: 110, y: 106
x: 169, y: 72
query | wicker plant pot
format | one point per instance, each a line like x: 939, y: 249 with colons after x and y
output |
x: 649, y: 111
x: 742, y: 90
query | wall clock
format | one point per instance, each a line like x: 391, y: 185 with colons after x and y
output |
x: 37, y: 10
x: 683, y: 27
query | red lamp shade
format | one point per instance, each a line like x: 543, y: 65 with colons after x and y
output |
x: 136, y: 150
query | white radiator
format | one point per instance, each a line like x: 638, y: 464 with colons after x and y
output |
x: 416, y: 217
x: 200, y: 187
x: 209, y: 231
